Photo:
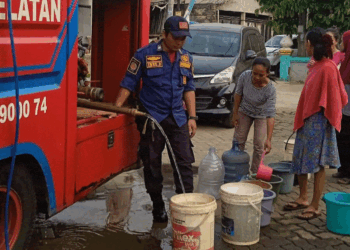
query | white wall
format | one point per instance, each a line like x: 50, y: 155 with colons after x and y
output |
x: 247, y: 6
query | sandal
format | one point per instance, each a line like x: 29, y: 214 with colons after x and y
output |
x: 344, y: 181
x: 338, y: 175
x: 314, y: 214
x: 297, y: 206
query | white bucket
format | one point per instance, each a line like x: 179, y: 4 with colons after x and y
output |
x: 241, y: 213
x: 193, y: 219
x: 118, y: 201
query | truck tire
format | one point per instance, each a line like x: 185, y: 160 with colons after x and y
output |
x: 22, y: 209
x: 227, y: 121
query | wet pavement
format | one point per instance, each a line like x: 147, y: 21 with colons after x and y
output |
x: 119, y: 216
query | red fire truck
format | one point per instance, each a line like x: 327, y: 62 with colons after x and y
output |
x: 64, y: 152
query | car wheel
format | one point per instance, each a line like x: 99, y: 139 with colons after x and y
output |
x: 277, y: 71
x: 22, y: 206
x: 227, y: 121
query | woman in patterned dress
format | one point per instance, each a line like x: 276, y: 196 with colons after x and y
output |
x: 317, y: 118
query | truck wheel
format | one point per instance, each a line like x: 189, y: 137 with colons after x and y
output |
x: 22, y: 209
x: 227, y: 121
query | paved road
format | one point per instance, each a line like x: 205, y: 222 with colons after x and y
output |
x: 84, y: 225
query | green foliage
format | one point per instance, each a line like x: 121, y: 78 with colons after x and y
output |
x: 321, y: 13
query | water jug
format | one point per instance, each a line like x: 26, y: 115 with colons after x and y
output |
x: 211, y: 174
x: 236, y: 163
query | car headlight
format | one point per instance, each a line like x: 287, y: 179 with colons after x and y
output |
x: 270, y: 53
x: 225, y: 76
x: 276, y: 53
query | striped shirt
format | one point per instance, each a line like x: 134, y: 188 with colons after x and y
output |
x: 256, y: 102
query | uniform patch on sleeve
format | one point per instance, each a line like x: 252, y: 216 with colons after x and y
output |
x: 185, y: 58
x: 134, y: 66
x: 186, y: 65
x: 184, y: 80
x: 185, y: 61
x: 155, y: 61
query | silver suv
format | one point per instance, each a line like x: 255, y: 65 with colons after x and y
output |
x: 273, y: 46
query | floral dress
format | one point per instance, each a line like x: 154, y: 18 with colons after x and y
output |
x: 315, y: 146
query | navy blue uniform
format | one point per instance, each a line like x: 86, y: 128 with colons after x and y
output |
x: 164, y: 84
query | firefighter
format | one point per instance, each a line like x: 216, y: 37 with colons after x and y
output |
x: 167, y: 73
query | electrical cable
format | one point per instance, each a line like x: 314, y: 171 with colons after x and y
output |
x: 14, y: 148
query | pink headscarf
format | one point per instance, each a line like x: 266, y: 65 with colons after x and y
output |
x: 345, y: 66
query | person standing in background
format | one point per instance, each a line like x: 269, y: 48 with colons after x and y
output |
x: 338, y: 56
x: 317, y: 118
x: 343, y: 138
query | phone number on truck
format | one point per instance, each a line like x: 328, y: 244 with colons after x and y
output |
x: 8, y: 112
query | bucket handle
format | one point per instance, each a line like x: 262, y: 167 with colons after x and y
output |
x: 285, y: 148
x: 268, y: 210
x: 255, y: 207
x: 190, y: 230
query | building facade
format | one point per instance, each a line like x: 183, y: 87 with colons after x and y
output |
x: 240, y: 12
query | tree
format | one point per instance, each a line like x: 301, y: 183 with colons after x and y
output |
x: 289, y: 14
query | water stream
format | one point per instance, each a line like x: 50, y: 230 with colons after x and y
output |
x: 170, y: 149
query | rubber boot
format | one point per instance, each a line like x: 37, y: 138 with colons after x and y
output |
x: 159, y: 213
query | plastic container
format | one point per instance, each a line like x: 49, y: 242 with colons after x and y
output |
x: 264, y: 172
x: 193, y: 219
x: 260, y: 183
x: 276, y: 183
x: 118, y: 202
x: 241, y: 213
x: 236, y: 163
x: 282, y: 169
x: 267, y: 207
x: 211, y: 174
x: 338, y: 212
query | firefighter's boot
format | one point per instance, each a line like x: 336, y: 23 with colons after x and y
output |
x: 159, y: 213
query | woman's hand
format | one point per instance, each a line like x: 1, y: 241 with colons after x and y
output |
x: 267, y: 146
x: 235, y: 120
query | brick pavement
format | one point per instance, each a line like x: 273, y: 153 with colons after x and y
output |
x: 285, y: 231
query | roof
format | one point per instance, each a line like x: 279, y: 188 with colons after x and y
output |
x: 218, y: 26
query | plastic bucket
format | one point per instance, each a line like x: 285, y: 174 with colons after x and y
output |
x: 193, y: 219
x: 241, y: 213
x: 118, y: 201
x: 260, y: 183
x: 264, y: 172
x: 276, y: 183
x: 267, y: 207
x: 338, y: 212
x: 282, y: 169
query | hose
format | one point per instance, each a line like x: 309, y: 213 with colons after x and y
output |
x: 14, y: 149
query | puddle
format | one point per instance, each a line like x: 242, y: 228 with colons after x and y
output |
x: 116, y: 216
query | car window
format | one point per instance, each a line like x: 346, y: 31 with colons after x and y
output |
x: 213, y: 43
x: 254, y: 41
x: 274, y: 42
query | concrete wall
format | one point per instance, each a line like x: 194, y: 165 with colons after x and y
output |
x: 298, y: 71
x: 85, y: 15
x: 247, y: 6
x: 204, y: 13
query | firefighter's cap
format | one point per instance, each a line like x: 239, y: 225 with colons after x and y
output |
x: 177, y: 26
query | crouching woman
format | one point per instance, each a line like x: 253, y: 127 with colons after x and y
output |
x: 255, y: 102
